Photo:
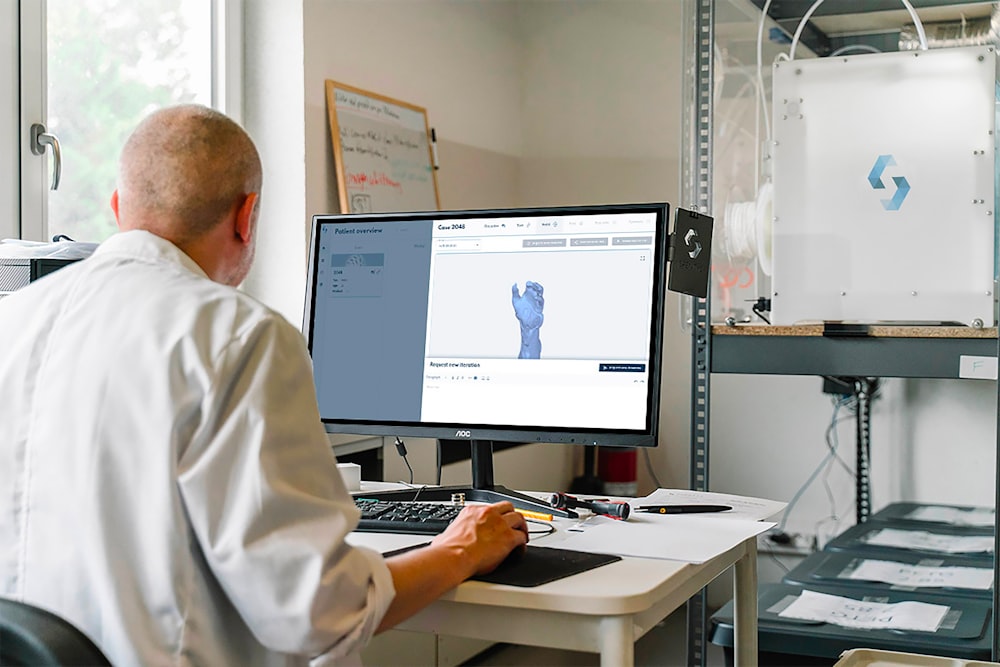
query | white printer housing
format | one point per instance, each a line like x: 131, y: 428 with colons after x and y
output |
x: 885, y: 191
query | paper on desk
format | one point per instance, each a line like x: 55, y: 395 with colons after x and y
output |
x: 751, y: 509
x: 954, y: 515
x: 927, y: 541
x: 850, y: 613
x: 922, y: 576
x: 386, y: 542
x: 693, y: 538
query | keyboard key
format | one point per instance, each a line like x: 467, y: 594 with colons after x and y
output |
x: 404, y: 516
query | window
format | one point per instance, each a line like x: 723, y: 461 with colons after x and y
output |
x: 106, y: 65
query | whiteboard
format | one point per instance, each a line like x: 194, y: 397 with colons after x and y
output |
x: 382, y: 151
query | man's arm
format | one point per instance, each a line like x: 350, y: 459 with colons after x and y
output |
x: 269, y: 509
x: 475, y: 543
x: 271, y: 512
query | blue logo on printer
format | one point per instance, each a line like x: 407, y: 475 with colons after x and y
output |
x: 875, y: 178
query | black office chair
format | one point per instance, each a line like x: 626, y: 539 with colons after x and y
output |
x: 33, y: 636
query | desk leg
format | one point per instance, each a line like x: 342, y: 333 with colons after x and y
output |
x: 617, y: 642
x: 745, y: 606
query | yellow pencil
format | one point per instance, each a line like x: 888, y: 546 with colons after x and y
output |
x: 528, y: 514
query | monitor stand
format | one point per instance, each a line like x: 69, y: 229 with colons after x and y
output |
x: 483, y: 489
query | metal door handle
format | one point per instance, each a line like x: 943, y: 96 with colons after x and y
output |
x: 39, y: 140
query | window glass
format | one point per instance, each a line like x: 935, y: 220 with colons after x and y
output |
x: 110, y: 63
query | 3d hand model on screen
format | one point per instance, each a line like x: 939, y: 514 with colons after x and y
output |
x: 528, y: 309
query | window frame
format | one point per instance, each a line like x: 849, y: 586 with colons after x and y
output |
x: 10, y: 183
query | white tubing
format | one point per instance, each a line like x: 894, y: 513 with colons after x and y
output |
x: 805, y: 19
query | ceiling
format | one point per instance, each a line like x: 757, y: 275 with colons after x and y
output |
x: 836, y: 22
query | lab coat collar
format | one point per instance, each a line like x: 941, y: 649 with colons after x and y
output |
x: 144, y: 244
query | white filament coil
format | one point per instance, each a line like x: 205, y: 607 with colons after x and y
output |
x: 747, y: 231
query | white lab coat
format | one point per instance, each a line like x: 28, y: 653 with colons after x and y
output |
x: 166, y: 483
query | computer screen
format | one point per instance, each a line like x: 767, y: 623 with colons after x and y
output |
x: 518, y: 325
x: 523, y: 325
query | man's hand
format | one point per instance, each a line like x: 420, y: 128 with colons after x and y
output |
x: 486, y: 534
x: 475, y: 543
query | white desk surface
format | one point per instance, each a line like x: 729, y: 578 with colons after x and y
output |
x: 623, y: 587
x: 604, y: 610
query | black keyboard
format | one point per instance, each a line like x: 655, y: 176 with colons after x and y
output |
x: 404, y: 516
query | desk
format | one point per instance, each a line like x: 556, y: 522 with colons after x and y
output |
x: 366, y: 451
x: 604, y: 610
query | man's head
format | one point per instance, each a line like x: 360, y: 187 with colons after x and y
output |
x: 193, y: 176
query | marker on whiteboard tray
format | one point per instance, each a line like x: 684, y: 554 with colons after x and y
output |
x: 434, y: 149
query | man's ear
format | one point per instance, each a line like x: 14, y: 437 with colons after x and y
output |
x: 244, y: 218
x: 114, y: 207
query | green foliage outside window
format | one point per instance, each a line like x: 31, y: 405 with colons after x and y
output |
x: 110, y: 63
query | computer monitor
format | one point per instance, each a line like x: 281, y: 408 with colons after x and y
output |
x: 511, y: 325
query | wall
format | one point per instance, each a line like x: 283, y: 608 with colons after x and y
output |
x: 458, y: 60
x: 946, y: 449
x: 515, y: 91
x: 273, y: 115
x: 601, y: 105
x: 601, y: 112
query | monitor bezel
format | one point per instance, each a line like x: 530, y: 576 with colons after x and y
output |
x: 645, y: 437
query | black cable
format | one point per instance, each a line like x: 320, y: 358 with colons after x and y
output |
x: 544, y: 524
x: 831, y: 432
x: 761, y: 305
x: 438, y: 463
x: 401, y: 448
x: 649, y: 468
x: 775, y: 558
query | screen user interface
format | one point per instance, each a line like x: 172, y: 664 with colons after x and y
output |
x: 539, y: 321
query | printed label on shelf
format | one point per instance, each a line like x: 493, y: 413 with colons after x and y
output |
x: 925, y: 541
x: 977, y: 368
x: 923, y: 576
x: 954, y: 515
x: 851, y: 613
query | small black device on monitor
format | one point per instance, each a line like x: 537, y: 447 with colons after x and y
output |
x: 509, y: 325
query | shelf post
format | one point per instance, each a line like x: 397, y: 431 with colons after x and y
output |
x: 699, y: 39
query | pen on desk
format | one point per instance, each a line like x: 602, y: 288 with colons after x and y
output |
x: 683, y: 509
x: 528, y: 514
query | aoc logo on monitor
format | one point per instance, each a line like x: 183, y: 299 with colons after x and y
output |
x: 875, y: 179
x: 463, y: 434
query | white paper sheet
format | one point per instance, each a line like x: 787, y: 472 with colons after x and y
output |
x: 927, y: 541
x: 922, y: 576
x: 744, y: 507
x: 850, y: 613
x: 693, y: 538
x: 953, y: 515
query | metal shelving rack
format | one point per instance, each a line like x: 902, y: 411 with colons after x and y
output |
x: 926, y: 352
x: 921, y: 353
x: 699, y: 38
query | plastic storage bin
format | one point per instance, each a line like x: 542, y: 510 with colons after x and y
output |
x: 933, y: 514
x: 966, y: 633
x: 830, y: 571
x: 860, y: 538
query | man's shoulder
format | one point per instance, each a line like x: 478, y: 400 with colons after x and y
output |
x: 247, y: 313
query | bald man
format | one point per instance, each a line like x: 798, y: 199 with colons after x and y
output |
x: 168, y: 487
